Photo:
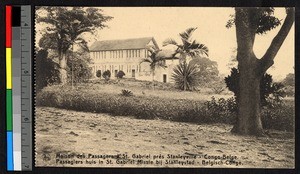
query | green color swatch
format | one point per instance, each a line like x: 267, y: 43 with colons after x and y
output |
x: 9, y: 110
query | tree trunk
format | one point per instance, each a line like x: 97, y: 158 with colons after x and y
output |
x: 153, y: 80
x: 251, y: 69
x: 249, y: 118
x: 63, y: 68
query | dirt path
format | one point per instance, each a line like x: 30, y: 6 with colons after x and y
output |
x: 75, y: 139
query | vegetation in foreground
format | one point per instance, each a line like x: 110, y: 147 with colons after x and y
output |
x: 143, y: 107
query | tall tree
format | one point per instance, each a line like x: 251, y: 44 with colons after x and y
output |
x: 189, y: 47
x: 65, y: 27
x: 249, y: 22
x: 208, y: 69
x: 154, y: 60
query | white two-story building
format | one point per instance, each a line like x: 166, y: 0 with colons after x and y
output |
x: 126, y: 55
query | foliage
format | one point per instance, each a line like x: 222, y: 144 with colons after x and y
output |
x: 266, y: 21
x: 208, y: 69
x: 269, y: 92
x: 120, y: 74
x: 46, y: 70
x: 222, y: 109
x: 289, y: 80
x: 154, y: 60
x: 98, y: 73
x: 289, y: 83
x: 126, y: 93
x: 65, y: 25
x: 189, y: 47
x: 186, y: 76
x: 106, y: 75
x: 78, y: 68
x: 218, y: 89
x: 143, y: 107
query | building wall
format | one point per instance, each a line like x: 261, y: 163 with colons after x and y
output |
x: 129, y: 61
x: 167, y: 72
x: 116, y: 60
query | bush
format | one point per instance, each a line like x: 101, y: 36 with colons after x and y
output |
x: 106, y: 75
x: 280, y: 118
x: 186, y: 76
x: 269, y: 91
x: 47, y: 71
x: 120, y: 74
x: 142, y: 107
x: 78, y: 70
x: 98, y: 73
x: 126, y: 93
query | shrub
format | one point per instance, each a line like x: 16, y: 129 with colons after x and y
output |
x: 267, y: 87
x: 47, y: 71
x: 186, y: 76
x: 78, y: 70
x: 143, y: 107
x: 98, y: 73
x: 279, y: 118
x: 126, y: 93
x: 120, y: 74
x: 106, y: 75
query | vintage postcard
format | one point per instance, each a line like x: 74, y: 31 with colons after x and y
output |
x: 166, y: 87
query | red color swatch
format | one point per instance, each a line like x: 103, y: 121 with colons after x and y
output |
x: 8, y: 26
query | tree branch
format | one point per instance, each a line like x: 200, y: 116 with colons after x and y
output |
x: 268, y: 59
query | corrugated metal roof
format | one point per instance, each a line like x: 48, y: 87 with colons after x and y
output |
x: 136, y: 43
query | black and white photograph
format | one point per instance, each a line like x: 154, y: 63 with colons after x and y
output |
x: 164, y: 87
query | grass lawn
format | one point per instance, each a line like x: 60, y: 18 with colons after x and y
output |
x: 143, y: 88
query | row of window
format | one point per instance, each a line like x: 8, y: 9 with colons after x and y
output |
x: 111, y: 68
x: 117, y: 54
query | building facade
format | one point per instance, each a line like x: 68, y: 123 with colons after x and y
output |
x: 126, y: 55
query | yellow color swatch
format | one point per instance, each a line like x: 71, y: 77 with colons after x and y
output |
x: 8, y: 68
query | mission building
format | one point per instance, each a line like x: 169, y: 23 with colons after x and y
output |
x: 126, y: 55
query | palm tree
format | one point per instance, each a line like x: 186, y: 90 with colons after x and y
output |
x: 189, y: 47
x: 154, y: 61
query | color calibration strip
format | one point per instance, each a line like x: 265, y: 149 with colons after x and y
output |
x: 9, y: 127
x: 18, y: 88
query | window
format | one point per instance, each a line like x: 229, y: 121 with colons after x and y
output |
x: 139, y: 52
x: 129, y: 53
x: 122, y: 53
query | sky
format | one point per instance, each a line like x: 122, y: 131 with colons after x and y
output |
x: 167, y: 22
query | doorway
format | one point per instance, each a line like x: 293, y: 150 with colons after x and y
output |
x: 165, y: 78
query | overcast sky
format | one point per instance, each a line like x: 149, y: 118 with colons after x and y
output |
x: 167, y: 22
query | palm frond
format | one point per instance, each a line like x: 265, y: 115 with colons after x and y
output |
x: 187, y: 33
x: 146, y: 60
x: 186, y: 76
x: 170, y: 41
